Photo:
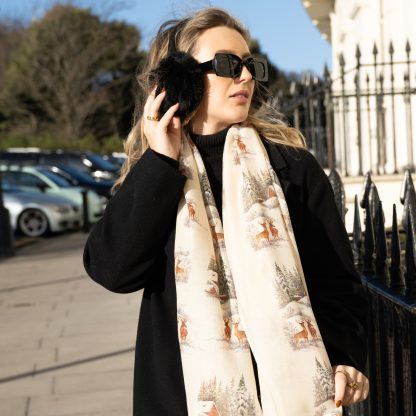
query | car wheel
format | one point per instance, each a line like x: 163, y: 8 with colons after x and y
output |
x: 33, y: 223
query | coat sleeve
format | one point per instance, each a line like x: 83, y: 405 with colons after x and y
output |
x: 337, y: 294
x: 130, y: 237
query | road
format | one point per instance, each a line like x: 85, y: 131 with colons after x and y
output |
x: 66, y: 345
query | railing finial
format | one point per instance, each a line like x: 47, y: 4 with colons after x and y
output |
x: 357, y: 235
x: 368, y: 268
x: 341, y: 61
x: 409, y: 199
x: 327, y: 74
x: 381, y: 243
x: 357, y: 53
x: 375, y: 51
x: 391, y: 48
x: 396, y: 275
x: 366, y: 189
x: 339, y: 191
x: 408, y: 48
x: 410, y: 255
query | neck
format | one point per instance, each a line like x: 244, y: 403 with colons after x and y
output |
x: 204, y: 128
x: 210, y: 142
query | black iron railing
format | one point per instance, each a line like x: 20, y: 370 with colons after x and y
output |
x: 364, y: 114
x: 386, y: 260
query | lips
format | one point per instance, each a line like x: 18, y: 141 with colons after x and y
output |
x: 241, y: 93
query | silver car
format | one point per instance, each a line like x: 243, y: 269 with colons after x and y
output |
x: 35, y: 214
x: 40, y: 180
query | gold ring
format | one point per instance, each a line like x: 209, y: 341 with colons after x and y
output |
x: 343, y: 372
x: 153, y: 118
x: 353, y: 385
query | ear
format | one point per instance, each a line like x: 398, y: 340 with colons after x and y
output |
x: 182, y: 78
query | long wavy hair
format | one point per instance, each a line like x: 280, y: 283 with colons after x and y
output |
x: 262, y: 116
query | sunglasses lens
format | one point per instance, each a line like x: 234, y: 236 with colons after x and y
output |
x: 227, y: 66
x: 258, y: 69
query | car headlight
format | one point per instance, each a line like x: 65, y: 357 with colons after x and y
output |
x: 61, y: 209
x: 99, y: 174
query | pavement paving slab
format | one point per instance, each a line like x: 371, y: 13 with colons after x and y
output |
x: 31, y: 386
x: 96, y: 381
x: 80, y: 403
x: 14, y: 406
x: 67, y: 344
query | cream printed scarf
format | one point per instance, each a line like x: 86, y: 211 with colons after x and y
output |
x: 240, y: 284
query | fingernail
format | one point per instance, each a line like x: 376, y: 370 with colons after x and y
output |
x: 338, y: 403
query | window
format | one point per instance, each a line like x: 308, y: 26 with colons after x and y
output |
x: 58, y: 180
x: 24, y: 179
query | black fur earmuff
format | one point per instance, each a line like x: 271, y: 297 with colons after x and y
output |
x: 180, y: 75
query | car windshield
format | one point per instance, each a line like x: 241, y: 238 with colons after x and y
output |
x: 101, y: 163
x: 77, y: 174
x: 58, y: 180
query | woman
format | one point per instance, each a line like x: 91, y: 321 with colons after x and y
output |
x: 229, y: 225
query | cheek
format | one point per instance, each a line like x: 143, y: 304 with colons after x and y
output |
x: 216, y: 90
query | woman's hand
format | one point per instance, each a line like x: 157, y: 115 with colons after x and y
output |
x: 346, y: 391
x: 164, y: 135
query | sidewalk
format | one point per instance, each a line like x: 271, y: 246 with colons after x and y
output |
x: 66, y: 344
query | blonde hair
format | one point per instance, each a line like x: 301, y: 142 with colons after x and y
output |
x: 263, y: 117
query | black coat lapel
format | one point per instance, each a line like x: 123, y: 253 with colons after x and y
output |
x: 278, y: 163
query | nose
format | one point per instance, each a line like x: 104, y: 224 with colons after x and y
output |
x: 245, y: 75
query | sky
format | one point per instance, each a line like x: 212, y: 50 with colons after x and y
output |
x: 282, y: 27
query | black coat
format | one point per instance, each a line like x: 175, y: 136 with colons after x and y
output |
x: 132, y: 247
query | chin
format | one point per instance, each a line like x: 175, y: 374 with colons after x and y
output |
x: 241, y: 119
x: 238, y: 118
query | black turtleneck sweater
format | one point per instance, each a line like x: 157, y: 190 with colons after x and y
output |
x: 211, y: 148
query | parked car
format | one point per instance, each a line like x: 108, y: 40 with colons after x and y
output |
x: 35, y: 214
x: 101, y: 169
x: 34, y: 179
x: 116, y: 158
x: 88, y: 162
x: 80, y: 178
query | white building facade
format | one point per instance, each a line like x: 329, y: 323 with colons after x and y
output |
x: 375, y: 99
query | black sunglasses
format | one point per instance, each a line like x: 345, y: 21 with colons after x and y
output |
x: 231, y: 66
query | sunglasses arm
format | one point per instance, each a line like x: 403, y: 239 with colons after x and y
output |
x: 207, y: 66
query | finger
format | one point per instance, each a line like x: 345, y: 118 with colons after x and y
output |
x: 340, y: 384
x: 151, y: 97
x: 363, y: 388
x: 357, y: 395
x: 165, y: 120
x: 155, y: 105
x: 366, y: 389
x: 175, y: 123
x: 349, y: 396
